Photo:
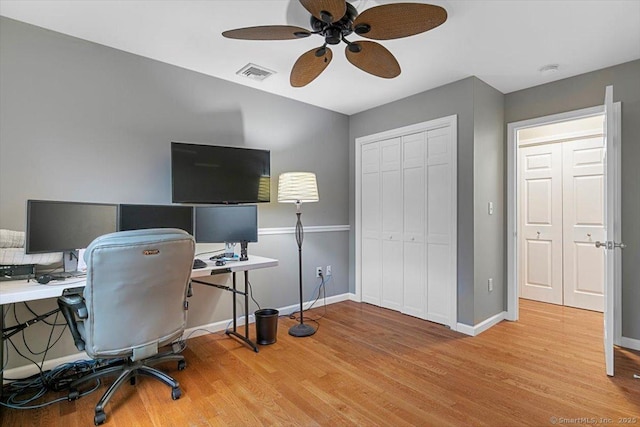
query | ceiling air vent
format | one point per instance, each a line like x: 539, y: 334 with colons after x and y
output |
x: 255, y: 72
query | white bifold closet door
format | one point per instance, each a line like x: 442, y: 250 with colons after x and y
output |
x: 406, y: 223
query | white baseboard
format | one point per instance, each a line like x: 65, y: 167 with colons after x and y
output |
x: 482, y: 326
x: 631, y: 343
x: 354, y: 297
x: 28, y: 370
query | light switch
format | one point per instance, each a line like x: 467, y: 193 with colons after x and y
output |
x: 490, y: 208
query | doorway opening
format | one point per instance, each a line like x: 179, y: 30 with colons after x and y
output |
x: 560, y: 174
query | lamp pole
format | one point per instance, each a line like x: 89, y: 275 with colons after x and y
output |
x: 300, y: 330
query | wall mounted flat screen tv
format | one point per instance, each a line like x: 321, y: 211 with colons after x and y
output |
x: 219, y: 175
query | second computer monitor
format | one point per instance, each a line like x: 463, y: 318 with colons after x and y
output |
x: 227, y: 224
x: 135, y: 217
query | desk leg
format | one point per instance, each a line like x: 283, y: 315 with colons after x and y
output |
x: 235, y: 323
x: 244, y: 338
x: 1, y: 349
x: 246, y: 305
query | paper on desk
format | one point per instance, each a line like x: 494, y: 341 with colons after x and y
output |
x: 82, y: 266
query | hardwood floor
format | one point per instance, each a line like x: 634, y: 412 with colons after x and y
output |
x: 369, y: 366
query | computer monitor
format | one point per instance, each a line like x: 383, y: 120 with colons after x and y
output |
x: 135, y: 217
x: 56, y: 226
x: 227, y: 224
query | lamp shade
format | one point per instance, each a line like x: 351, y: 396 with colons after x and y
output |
x: 297, y: 187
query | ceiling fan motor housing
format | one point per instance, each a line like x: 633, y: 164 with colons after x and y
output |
x: 335, y: 31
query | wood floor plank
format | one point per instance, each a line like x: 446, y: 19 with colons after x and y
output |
x: 371, y: 366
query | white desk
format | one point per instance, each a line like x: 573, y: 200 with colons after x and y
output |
x: 23, y: 291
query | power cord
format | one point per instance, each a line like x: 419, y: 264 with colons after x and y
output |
x: 21, y: 393
x: 321, y: 287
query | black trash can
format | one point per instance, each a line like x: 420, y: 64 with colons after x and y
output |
x: 266, y: 325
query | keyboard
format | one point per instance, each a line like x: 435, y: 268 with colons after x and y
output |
x: 198, y: 263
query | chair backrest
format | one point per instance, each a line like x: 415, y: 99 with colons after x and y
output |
x: 136, y: 290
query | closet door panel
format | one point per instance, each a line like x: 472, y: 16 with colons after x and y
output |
x: 439, y: 282
x: 371, y: 225
x: 541, y: 223
x: 391, y: 203
x: 583, y: 193
x: 413, y: 149
x: 439, y: 223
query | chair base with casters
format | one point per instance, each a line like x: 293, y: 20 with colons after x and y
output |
x: 128, y: 370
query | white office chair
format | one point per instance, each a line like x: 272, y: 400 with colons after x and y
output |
x: 134, y: 303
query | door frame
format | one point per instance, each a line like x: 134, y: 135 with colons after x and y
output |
x: 513, y: 306
x: 452, y: 123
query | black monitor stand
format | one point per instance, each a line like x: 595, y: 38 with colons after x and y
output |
x: 69, y: 264
x: 243, y: 251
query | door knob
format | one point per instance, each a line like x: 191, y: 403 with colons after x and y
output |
x: 610, y: 245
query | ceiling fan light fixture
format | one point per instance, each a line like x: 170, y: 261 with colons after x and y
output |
x: 326, y: 16
x: 362, y: 29
x: 335, y: 20
x: 354, y: 47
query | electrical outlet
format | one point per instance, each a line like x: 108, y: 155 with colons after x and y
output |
x: 318, y: 271
x: 328, y: 271
x: 490, y: 284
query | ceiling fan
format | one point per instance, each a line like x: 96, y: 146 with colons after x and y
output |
x: 336, y: 19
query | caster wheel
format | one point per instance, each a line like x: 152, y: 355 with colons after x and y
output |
x: 181, y: 365
x: 176, y: 393
x: 99, y: 418
x: 132, y: 381
x: 73, y: 395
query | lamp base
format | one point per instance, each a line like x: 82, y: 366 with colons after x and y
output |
x: 302, y: 330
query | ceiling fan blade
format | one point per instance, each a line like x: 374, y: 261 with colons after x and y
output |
x: 267, y: 32
x: 394, y: 21
x: 373, y: 58
x: 326, y: 10
x: 310, y: 65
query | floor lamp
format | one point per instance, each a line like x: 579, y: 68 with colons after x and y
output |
x: 298, y: 188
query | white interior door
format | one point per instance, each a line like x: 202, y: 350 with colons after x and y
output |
x: 612, y: 224
x: 541, y: 223
x: 583, y: 217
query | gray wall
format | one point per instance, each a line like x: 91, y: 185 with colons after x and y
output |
x: 587, y: 90
x: 84, y: 122
x: 488, y: 186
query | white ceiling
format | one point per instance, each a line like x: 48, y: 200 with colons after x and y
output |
x: 502, y: 42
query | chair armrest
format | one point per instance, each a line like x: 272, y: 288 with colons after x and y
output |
x: 72, y: 307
